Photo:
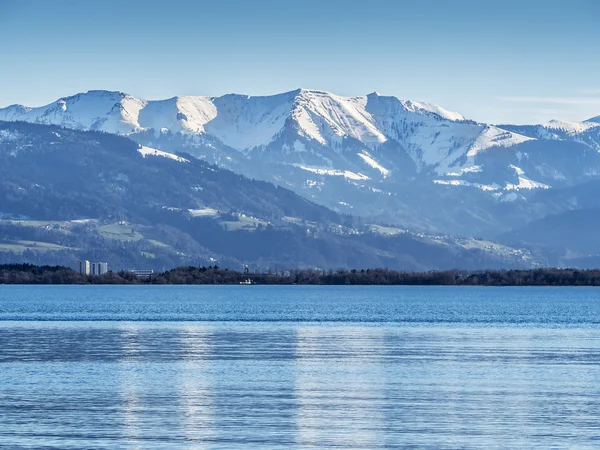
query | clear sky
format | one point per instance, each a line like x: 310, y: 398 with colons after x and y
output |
x: 497, y: 61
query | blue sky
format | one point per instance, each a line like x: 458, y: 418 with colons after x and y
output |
x: 497, y: 61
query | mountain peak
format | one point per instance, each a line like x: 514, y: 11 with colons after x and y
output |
x: 312, y: 91
x: 104, y: 93
x: 423, y: 107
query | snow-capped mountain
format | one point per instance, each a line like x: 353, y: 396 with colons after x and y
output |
x: 434, y: 136
x: 80, y: 192
x: 379, y: 156
x: 586, y: 132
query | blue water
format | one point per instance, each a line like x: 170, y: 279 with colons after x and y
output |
x: 299, y: 367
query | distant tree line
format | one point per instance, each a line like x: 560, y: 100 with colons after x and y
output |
x: 32, y: 274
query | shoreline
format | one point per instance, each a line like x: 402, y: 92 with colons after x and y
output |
x: 27, y: 274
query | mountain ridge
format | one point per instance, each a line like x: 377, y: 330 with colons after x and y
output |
x: 366, y: 155
x: 299, y: 104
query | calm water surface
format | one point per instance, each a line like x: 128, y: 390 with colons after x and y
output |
x: 299, y: 367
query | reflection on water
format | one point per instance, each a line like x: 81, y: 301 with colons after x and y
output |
x: 340, y: 382
x: 260, y: 385
x: 194, y: 394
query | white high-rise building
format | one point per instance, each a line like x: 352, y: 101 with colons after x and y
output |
x: 84, y: 267
x: 99, y: 268
x: 95, y: 268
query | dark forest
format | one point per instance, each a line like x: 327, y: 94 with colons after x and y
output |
x: 31, y: 274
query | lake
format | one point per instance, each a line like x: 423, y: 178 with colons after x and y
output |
x: 299, y: 367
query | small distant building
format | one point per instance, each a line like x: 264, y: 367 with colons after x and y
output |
x: 99, y: 268
x: 84, y: 267
x: 142, y: 273
x: 92, y: 268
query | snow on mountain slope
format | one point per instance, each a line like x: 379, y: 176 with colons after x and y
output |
x: 147, y: 151
x: 113, y: 112
x: 524, y: 181
x: 366, y: 156
x: 586, y: 132
x: 420, y: 107
x: 178, y: 114
x: 328, y: 118
x: 569, y: 127
x: 335, y: 173
x: 492, y: 136
x: 324, y: 146
x: 433, y: 139
x: 244, y: 122
x: 433, y: 135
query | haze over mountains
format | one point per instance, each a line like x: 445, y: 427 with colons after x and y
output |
x: 389, y: 161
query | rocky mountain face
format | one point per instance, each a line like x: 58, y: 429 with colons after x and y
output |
x: 384, y: 159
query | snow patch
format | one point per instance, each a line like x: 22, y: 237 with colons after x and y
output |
x: 313, y: 184
x: 524, y: 181
x: 419, y: 107
x: 147, y: 151
x: 570, y: 127
x: 492, y: 136
x: 333, y: 172
x: 374, y: 164
x: 203, y: 212
x: 8, y: 136
x: 470, y: 169
x: 483, y: 187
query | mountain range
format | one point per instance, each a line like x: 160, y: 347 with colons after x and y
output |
x: 69, y: 195
x: 399, y: 163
